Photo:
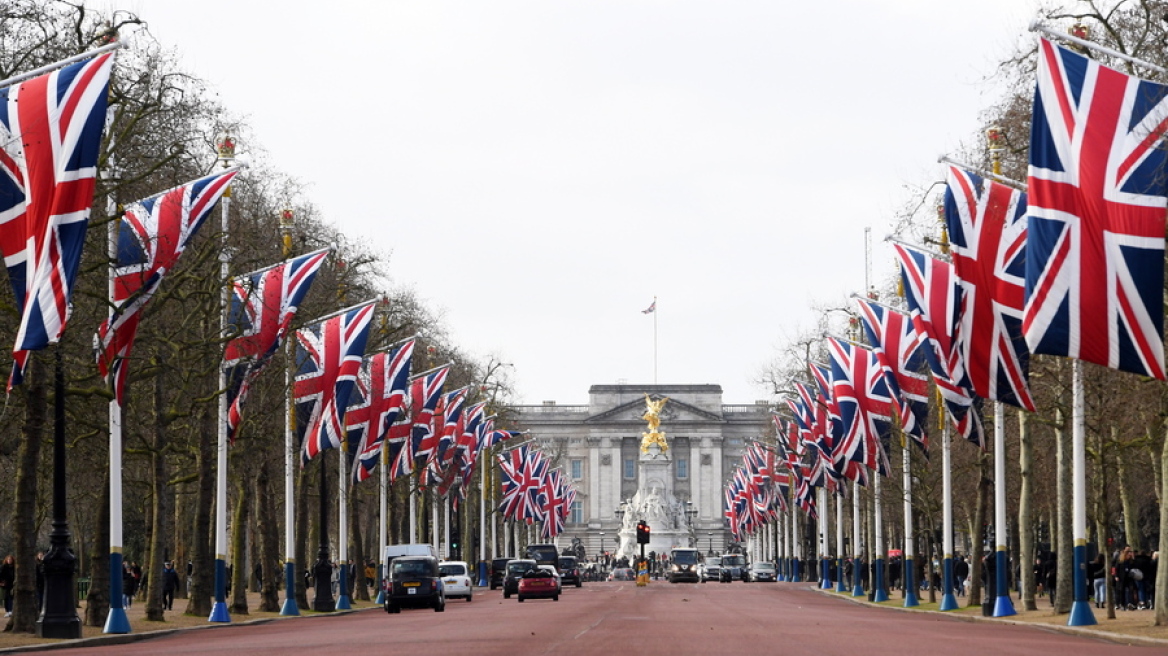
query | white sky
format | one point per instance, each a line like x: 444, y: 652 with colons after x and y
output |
x: 541, y: 169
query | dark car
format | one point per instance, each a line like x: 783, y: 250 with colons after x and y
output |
x: 498, y: 571
x: 683, y: 565
x: 515, y: 571
x: 569, y: 570
x: 414, y: 583
x: 734, y: 568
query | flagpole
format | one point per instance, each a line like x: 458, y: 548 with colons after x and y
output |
x: 383, y: 529
x: 1036, y: 26
x: 1003, y: 605
x: 61, y: 64
x: 910, y: 586
x: 1081, y: 614
x: 483, y: 469
x: 823, y: 523
x: 116, y: 621
x: 289, y: 607
x: 839, y: 540
x: 948, y: 600
x: 219, y: 612
x: 881, y: 592
x: 343, y: 526
x: 857, y: 549
x: 654, y: 340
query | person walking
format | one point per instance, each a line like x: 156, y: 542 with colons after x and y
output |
x: 7, y: 583
x: 1097, y: 573
x: 129, y: 586
x: 169, y: 585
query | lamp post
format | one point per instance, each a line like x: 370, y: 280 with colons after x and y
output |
x: 711, y: 535
x: 690, y: 513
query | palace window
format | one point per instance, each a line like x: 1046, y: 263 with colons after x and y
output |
x: 576, y: 514
x: 630, y: 468
x: 682, y: 467
x: 577, y: 468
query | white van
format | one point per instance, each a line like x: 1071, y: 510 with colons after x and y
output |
x: 422, y: 549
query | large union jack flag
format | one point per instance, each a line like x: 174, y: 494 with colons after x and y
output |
x: 380, y: 398
x: 556, y: 504
x: 987, y: 232
x: 1095, y: 252
x: 263, y: 305
x: 448, y: 431
x: 933, y: 296
x: 900, y: 351
x: 50, y: 138
x: 867, y: 404
x: 425, y: 392
x: 152, y: 234
x: 328, y: 361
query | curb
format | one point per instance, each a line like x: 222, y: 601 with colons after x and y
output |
x: 1110, y: 636
x: 127, y: 638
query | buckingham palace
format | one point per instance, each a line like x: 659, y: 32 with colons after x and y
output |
x: 598, y: 447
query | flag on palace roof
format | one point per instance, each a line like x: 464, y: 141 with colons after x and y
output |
x: 151, y: 235
x: 328, y: 362
x: 50, y: 138
x: 987, y: 235
x: 1097, y: 185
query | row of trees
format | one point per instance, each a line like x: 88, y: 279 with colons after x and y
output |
x: 162, y: 131
x: 1126, y: 430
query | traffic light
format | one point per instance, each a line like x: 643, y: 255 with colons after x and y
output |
x: 642, y: 533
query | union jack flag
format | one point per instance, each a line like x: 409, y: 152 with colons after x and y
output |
x: 476, y: 446
x: 464, y: 446
x: 523, y: 469
x: 555, y: 504
x: 805, y: 495
x: 152, y: 234
x: 935, y: 300
x: 868, y: 399
x: 328, y: 361
x: 987, y: 232
x: 425, y: 392
x: 1095, y: 252
x: 451, y: 428
x: 900, y: 351
x: 263, y: 305
x: 380, y: 399
x: 50, y: 138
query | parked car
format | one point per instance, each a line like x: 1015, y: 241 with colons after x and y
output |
x: 498, y: 571
x: 570, y: 571
x: 683, y: 565
x: 712, y: 569
x: 733, y: 568
x: 456, y: 579
x: 622, y: 574
x: 539, y: 583
x: 414, y: 583
x: 764, y: 572
x: 515, y: 570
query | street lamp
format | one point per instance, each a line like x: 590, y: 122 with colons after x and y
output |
x: 601, y: 545
x: 711, y: 535
x: 620, y: 511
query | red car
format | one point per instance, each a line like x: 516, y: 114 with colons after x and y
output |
x: 539, y: 584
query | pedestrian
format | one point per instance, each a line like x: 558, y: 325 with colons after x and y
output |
x: 40, y: 581
x: 7, y: 583
x: 1128, y: 574
x: 129, y: 586
x: 169, y: 585
x: 1097, y: 573
x: 961, y: 573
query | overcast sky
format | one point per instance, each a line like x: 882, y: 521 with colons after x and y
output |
x: 540, y: 170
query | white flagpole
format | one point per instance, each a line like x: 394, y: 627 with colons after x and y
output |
x: 654, y: 340
x: 289, y: 607
x: 413, y: 513
x: 383, y: 512
x: 948, y: 600
x: 857, y: 543
x: 1003, y: 605
x: 839, y: 539
x: 1081, y: 614
x: 822, y: 524
x: 219, y: 608
x: 1036, y: 26
x: 908, y: 571
x: 881, y: 591
x: 343, y: 527
x: 483, y: 524
x: 116, y: 621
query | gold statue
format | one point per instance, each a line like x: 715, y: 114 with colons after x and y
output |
x: 653, y: 416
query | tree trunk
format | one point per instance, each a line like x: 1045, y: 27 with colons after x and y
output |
x: 1026, y: 551
x: 1131, y: 526
x: 239, y: 569
x: 356, y: 546
x: 24, y: 528
x: 1161, y: 598
x: 302, y: 515
x: 159, y: 512
x: 978, y: 529
x: 203, y: 576
x: 1064, y: 567
x: 97, y: 603
x: 269, y: 538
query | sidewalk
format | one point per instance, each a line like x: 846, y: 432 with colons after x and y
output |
x: 1128, y: 627
x: 140, y: 628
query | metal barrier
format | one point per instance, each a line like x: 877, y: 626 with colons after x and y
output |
x: 82, y: 587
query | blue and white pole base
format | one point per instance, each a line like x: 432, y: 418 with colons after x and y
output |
x: 219, y: 608
x: 1003, y: 605
x: 290, y: 608
x: 116, y: 621
x: 825, y: 573
x: 948, y: 601
x: 858, y: 575
x: 880, y: 593
x: 839, y: 575
x: 910, y: 584
x: 1081, y: 614
x: 343, y: 596
x: 380, y: 585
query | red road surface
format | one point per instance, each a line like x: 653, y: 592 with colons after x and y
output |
x: 619, y: 618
